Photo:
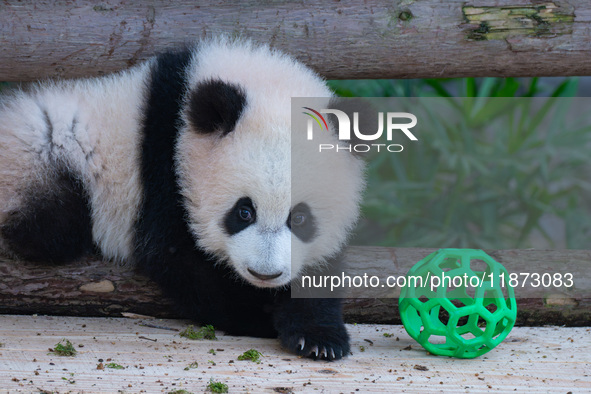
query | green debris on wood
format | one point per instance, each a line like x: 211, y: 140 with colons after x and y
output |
x: 64, y: 348
x: 217, y: 387
x: 544, y: 20
x: 114, y: 366
x: 252, y: 355
x: 205, y: 332
x: 194, y: 364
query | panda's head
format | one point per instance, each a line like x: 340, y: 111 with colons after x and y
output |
x: 235, y: 167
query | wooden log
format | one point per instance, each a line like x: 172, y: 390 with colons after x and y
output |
x: 89, y: 287
x: 95, y: 288
x: 352, y: 39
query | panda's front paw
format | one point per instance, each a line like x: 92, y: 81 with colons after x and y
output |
x: 319, y: 343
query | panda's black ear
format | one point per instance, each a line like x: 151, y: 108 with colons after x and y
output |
x: 215, y: 106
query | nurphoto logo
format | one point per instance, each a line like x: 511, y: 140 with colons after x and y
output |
x: 344, y: 130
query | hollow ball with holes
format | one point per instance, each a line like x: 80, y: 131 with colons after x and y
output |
x: 458, y: 302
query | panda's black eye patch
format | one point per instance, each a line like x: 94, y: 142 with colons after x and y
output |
x: 302, y: 222
x: 240, y: 216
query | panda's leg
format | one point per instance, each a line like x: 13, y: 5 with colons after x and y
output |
x: 312, y: 327
x: 53, y: 224
x: 203, y: 289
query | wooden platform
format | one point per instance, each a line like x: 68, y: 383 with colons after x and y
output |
x: 542, y: 359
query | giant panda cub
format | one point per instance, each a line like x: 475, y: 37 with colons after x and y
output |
x: 182, y: 166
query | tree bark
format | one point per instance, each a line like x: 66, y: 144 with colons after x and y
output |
x: 348, y: 39
x: 96, y: 288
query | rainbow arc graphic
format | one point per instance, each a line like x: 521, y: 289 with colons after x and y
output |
x: 315, y: 116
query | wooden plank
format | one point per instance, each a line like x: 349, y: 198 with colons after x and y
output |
x: 96, y: 288
x: 352, y: 39
x: 530, y: 360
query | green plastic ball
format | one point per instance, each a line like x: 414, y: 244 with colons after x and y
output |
x: 464, y: 306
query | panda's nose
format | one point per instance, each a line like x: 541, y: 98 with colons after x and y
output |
x: 263, y: 276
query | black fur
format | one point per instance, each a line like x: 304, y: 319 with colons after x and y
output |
x: 307, y: 230
x: 165, y: 248
x: 208, y: 292
x: 161, y: 196
x: 233, y: 223
x: 55, y: 225
x: 216, y: 106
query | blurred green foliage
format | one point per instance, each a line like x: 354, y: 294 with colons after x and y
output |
x: 525, y: 184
